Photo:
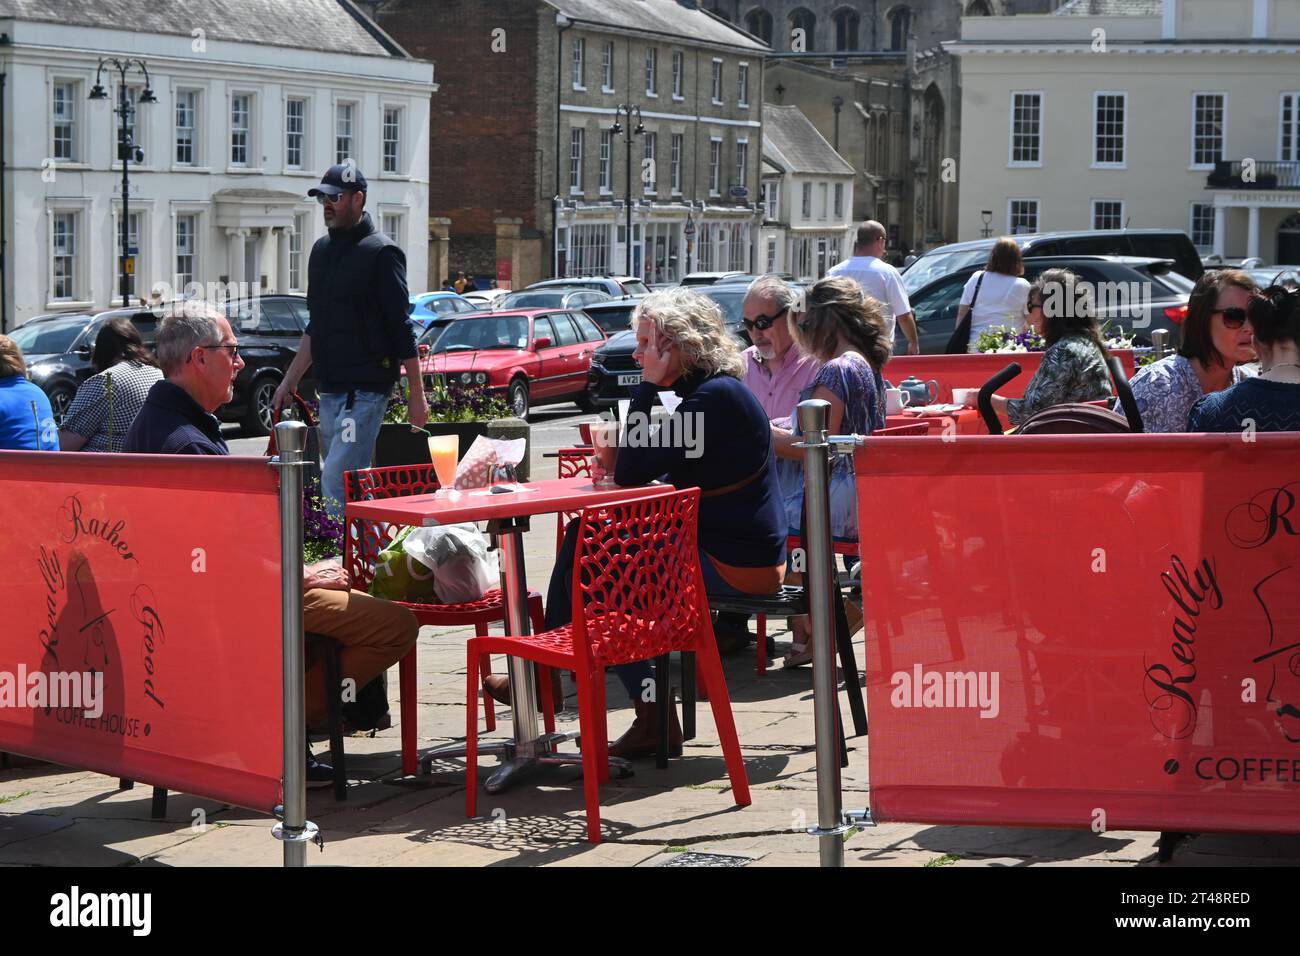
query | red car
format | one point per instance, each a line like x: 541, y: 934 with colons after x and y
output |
x: 528, y: 357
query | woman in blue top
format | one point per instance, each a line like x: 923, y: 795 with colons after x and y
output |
x: 724, y: 446
x: 1269, y: 402
x: 26, y: 419
x: 845, y: 330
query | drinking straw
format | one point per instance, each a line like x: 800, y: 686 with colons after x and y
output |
x: 36, y: 420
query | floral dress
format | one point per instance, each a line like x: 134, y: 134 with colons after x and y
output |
x: 1073, y: 370
x: 1165, y: 392
x: 854, y: 382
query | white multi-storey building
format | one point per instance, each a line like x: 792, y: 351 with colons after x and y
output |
x: 807, y: 197
x: 1177, y: 114
x: 253, y: 102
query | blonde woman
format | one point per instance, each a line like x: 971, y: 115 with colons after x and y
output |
x: 682, y: 345
x: 26, y: 419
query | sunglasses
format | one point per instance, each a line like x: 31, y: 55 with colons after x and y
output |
x: 1232, y: 318
x: 329, y: 200
x: 764, y: 322
x: 1031, y: 305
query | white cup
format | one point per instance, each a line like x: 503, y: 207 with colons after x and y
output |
x: 966, y: 396
x: 896, y: 400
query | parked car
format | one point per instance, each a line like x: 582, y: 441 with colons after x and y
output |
x: 426, y: 306
x: 613, y: 286
x: 1166, y: 292
x: 58, y: 349
x: 709, y: 278
x: 269, y: 329
x: 558, y: 298
x: 613, y: 371
x: 614, y: 315
x: 484, y: 299
x: 1275, y: 275
x: 528, y: 357
x: 1154, y: 243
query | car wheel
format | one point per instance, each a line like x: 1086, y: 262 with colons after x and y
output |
x: 60, y: 397
x: 260, y: 417
x: 586, y: 402
x: 518, y: 398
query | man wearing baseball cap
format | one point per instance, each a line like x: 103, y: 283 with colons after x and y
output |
x: 358, y: 340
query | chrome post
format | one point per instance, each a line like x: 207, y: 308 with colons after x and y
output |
x: 295, y: 831
x: 1160, y: 342
x: 819, y: 584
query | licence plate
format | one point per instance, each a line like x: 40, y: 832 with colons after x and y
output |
x: 632, y: 379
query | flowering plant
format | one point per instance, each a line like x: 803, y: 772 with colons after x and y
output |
x: 1114, y: 337
x: 1003, y: 338
x: 322, y: 533
x: 448, y: 402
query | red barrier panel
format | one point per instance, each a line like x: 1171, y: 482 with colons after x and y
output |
x: 972, y: 371
x: 1083, y: 630
x: 160, y: 575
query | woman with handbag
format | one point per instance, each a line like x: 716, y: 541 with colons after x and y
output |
x: 993, y: 296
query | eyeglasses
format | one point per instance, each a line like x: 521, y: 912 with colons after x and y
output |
x: 328, y: 200
x: 1031, y: 305
x: 1232, y: 318
x: 764, y: 322
x: 234, y: 349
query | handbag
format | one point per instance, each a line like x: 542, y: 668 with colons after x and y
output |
x: 311, y: 453
x: 959, y: 343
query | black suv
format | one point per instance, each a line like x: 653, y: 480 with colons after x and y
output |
x: 1164, y: 305
x: 58, y: 349
x: 1147, y: 243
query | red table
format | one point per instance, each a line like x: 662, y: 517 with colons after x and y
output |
x: 510, y: 511
x: 965, y: 422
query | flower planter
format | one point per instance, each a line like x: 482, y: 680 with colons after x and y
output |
x: 397, y: 444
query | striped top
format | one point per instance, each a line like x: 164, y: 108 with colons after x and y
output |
x: 88, y: 413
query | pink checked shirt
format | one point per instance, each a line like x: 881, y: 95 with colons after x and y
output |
x: 777, y: 385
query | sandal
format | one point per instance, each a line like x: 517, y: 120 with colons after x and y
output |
x: 799, y: 655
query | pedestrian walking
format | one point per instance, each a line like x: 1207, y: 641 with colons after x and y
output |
x: 880, y: 281
x: 358, y: 340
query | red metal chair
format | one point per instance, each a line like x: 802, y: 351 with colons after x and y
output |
x: 573, y: 463
x: 637, y: 594
x: 364, y: 541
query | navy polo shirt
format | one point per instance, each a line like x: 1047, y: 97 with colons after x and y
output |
x: 172, y: 423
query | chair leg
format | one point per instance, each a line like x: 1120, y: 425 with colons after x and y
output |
x: 547, y: 698
x: 602, y: 717
x: 158, y: 810
x: 484, y: 672
x: 334, y: 706
x: 849, y: 664
x: 688, y: 695
x: 714, y: 681
x: 761, y: 623
x: 663, y: 702
x: 589, y: 723
x: 471, y: 732
x: 125, y: 784
x: 407, y: 693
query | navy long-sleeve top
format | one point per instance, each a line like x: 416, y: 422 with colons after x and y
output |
x: 729, y: 439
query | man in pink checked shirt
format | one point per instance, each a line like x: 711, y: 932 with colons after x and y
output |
x: 776, y: 372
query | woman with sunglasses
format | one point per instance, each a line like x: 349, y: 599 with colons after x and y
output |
x: 1216, y: 340
x: 846, y: 331
x: 1269, y: 402
x: 1074, y: 366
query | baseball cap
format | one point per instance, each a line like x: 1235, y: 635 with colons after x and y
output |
x: 339, y: 179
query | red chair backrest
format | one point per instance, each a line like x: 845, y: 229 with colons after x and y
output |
x: 365, y: 539
x: 637, y: 579
x: 575, y: 462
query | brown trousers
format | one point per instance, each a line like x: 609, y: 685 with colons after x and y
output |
x: 375, y: 634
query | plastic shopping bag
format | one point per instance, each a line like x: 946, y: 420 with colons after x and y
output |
x: 399, y: 577
x: 463, y: 568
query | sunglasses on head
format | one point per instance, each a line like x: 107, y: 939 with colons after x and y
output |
x: 764, y: 322
x: 1232, y: 318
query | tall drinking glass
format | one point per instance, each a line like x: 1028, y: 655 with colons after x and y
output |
x: 443, y: 452
x: 604, y: 441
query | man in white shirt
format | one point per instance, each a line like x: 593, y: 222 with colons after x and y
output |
x: 881, y: 281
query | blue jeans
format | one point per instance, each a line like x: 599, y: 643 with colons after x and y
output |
x: 349, y: 425
x: 559, y: 604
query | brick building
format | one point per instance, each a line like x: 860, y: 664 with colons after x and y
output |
x: 526, y: 174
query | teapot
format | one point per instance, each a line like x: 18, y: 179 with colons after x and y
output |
x: 920, y: 392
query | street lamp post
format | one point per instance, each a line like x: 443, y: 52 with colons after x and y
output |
x: 631, y: 113
x: 126, y: 148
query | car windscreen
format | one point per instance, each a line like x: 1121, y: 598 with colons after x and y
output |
x: 497, y: 332
x: 49, y: 338
x: 1174, y: 281
x: 613, y: 320
x: 534, y: 300
x: 730, y: 300
x: 939, y: 264
x: 634, y: 287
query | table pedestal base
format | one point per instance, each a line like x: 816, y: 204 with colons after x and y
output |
x: 516, y: 765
